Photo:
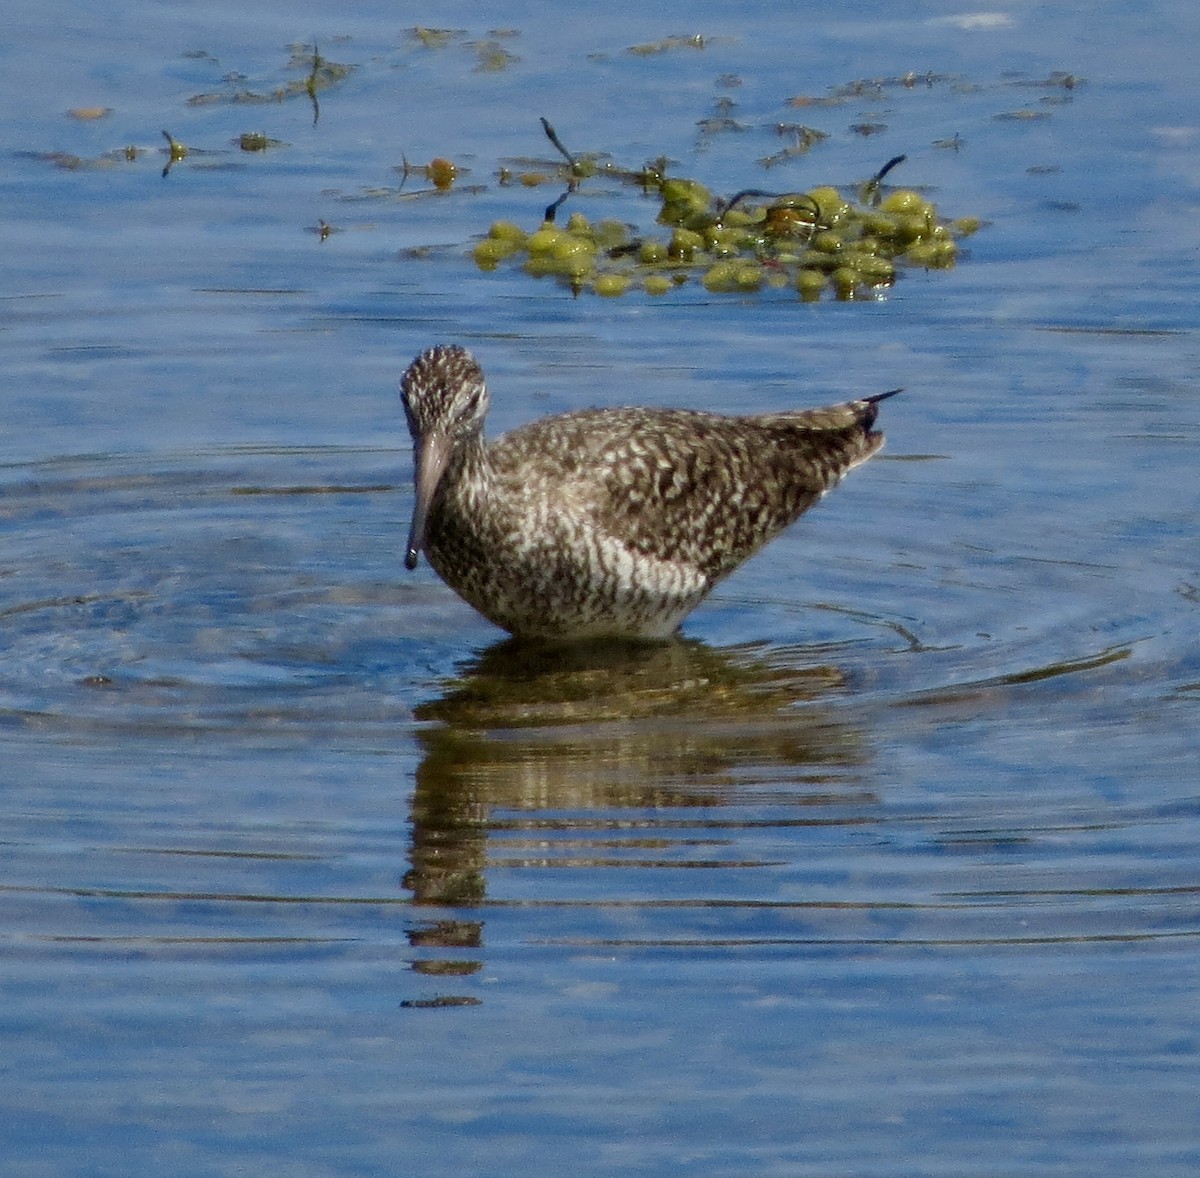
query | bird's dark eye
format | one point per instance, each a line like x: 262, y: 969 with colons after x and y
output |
x: 468, y: 408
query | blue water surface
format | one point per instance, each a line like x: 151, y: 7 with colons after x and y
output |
x: 887, y: 868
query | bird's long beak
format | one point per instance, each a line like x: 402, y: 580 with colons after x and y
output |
x: 429, y: 464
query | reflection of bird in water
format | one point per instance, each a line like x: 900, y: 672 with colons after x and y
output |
x: 527, y: 685
x: 607, y: 522
x: 579, y: 738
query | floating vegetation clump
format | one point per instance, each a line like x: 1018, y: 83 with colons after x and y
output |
x: 316, y: 74
x: 819, y: 242
x: 666, y: 44
x: 801, y: 140
x: 491, y: 56
x: 176, y: 151
x: 257, y: 141
x: 433, y: 38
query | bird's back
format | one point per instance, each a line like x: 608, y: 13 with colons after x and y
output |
x: 687, y: 487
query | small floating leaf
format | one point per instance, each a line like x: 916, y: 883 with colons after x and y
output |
x: 256, y: 141
x: 442, y: 173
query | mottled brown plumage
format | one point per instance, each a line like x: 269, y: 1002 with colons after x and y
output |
x: 607, y: 521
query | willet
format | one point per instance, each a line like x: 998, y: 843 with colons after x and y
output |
x: 607, y: 522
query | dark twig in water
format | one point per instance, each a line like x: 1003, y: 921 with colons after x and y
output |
x: 870, y: 186
x: 746, y: 192
x: 552, y: 135
x: 310, y: 84
x: 801, y: 198
x: 552, y: 209
x: 870, y: 190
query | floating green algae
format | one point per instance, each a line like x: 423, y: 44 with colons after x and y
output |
x: 821, y: 242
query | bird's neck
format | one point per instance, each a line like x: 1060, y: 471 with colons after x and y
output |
x: 469, y: 471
